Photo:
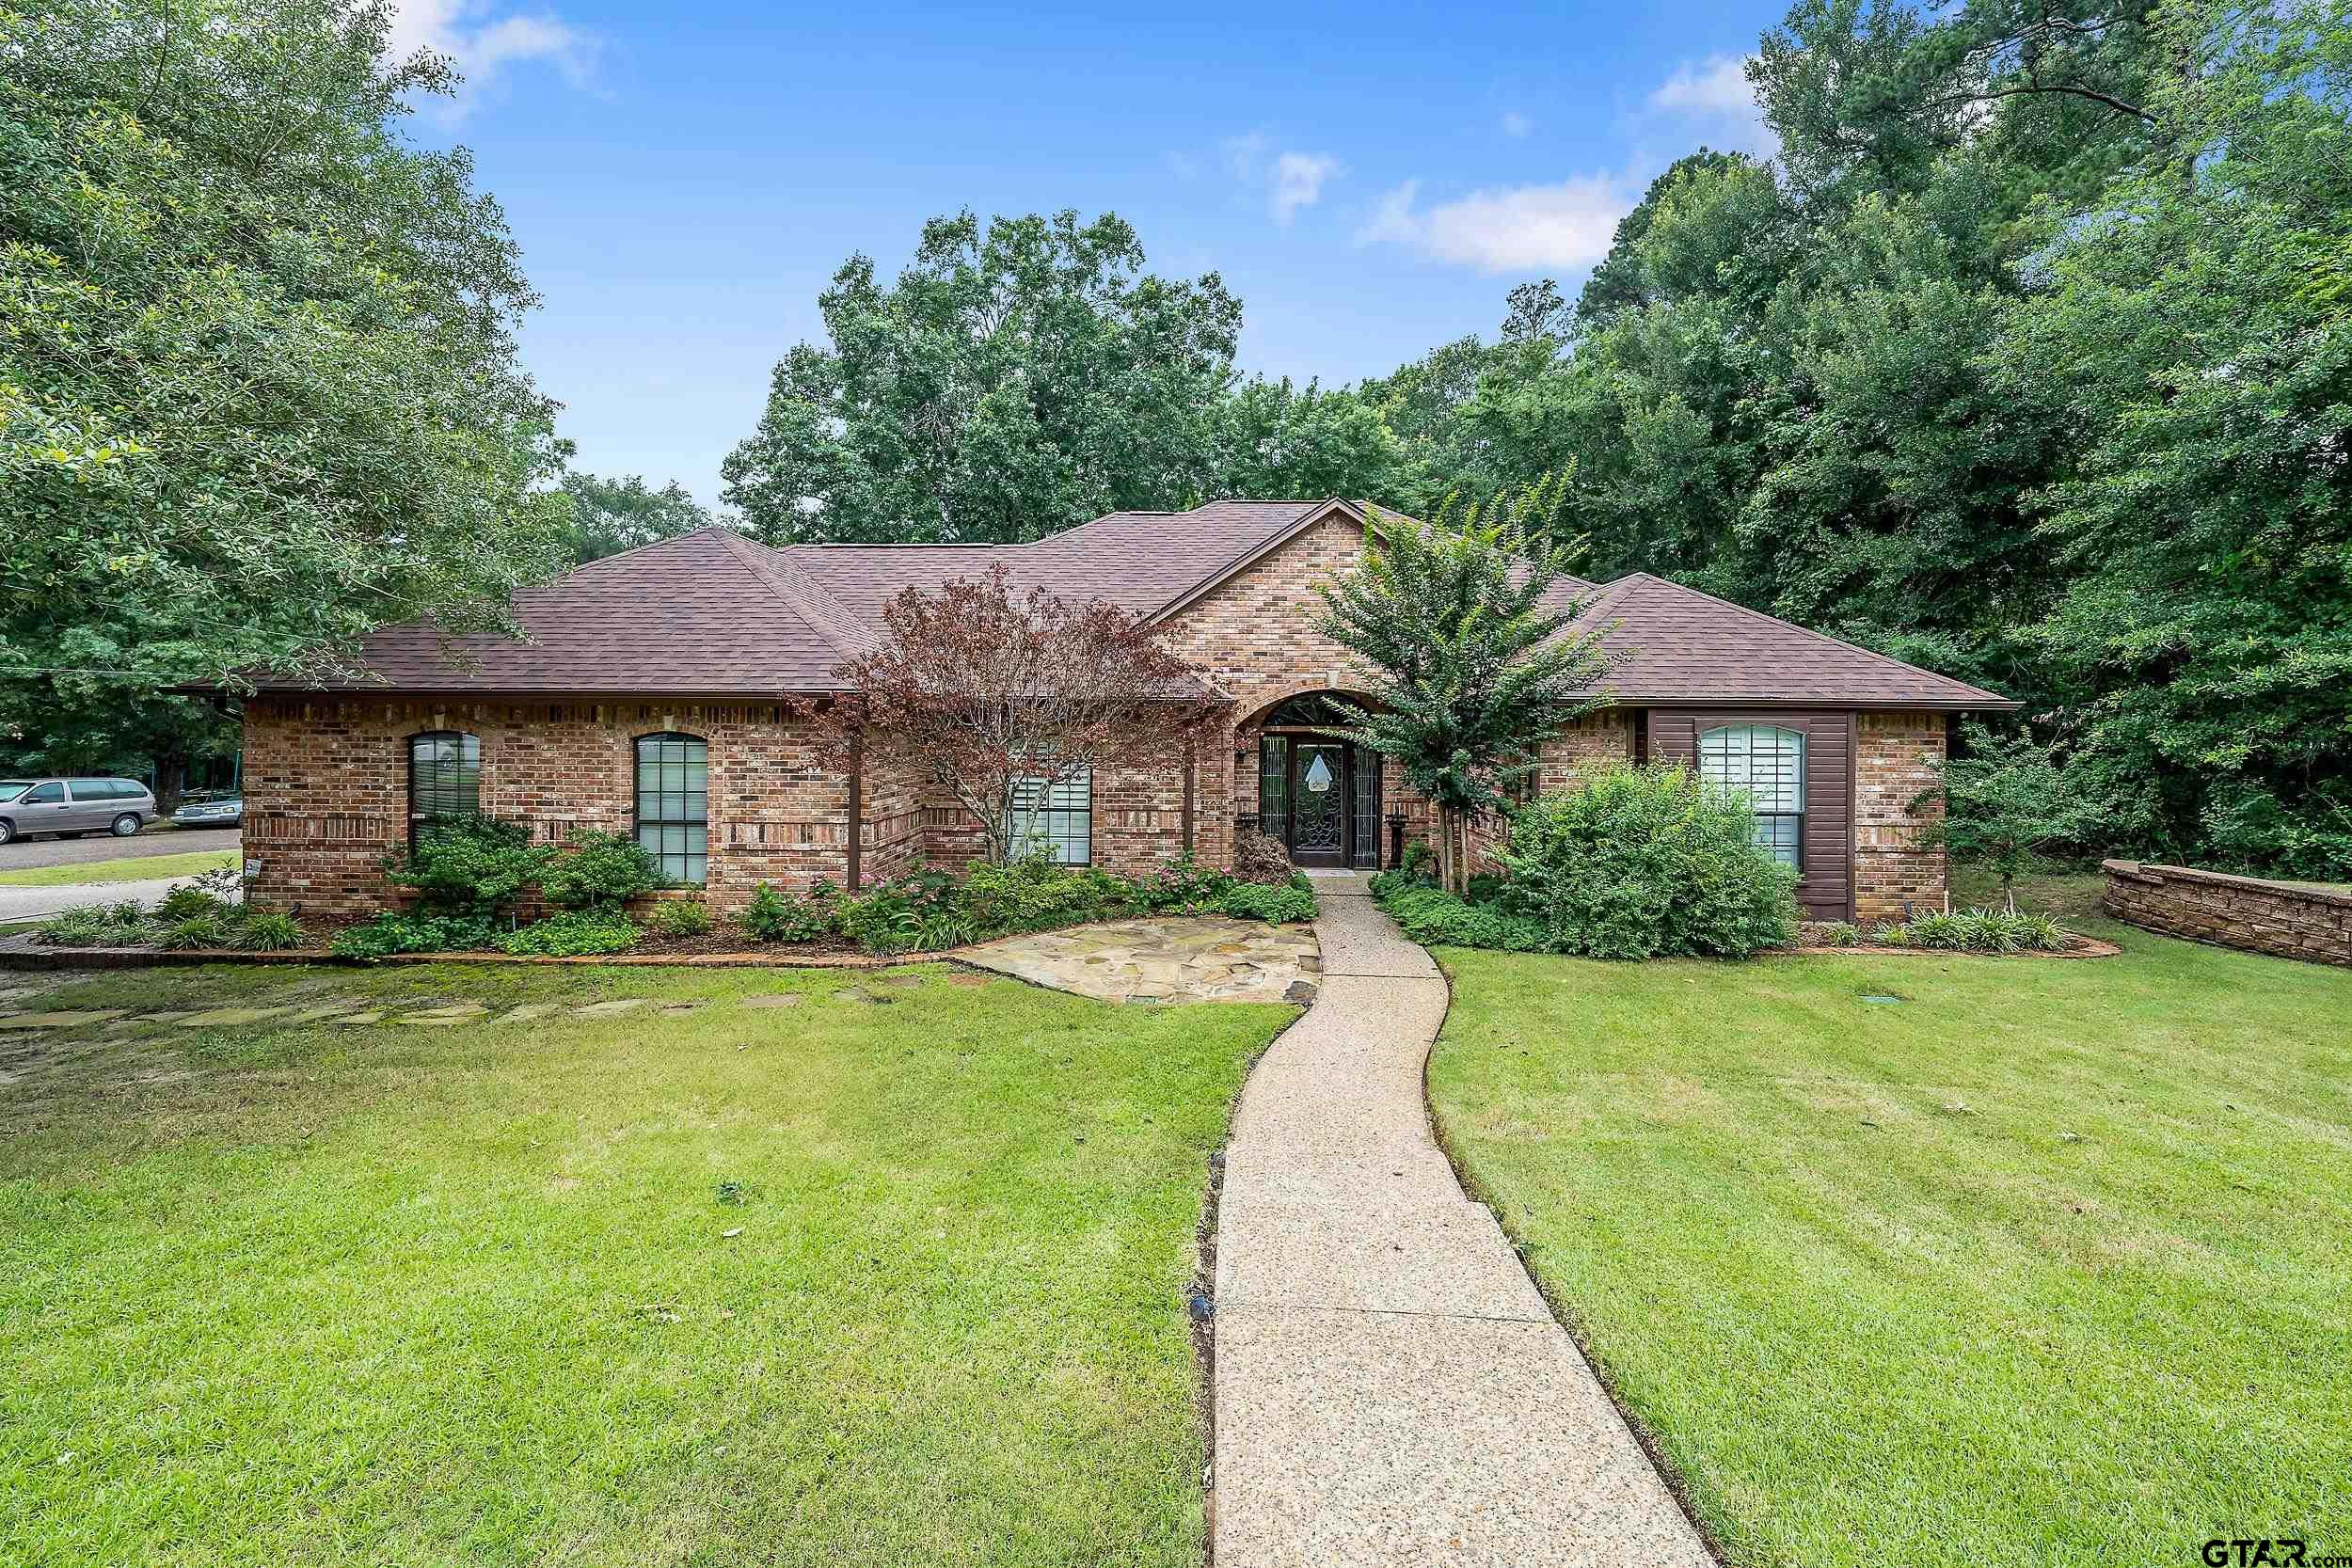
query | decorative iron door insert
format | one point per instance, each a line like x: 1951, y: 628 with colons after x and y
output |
x: 1319, y: 803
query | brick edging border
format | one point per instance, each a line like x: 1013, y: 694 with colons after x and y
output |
x: 2085, y: 947
x: 28, y: 957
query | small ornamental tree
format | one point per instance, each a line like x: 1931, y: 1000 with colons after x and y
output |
x: 995, y: 697
x: 1476, y: 659
x: 2005, y: 799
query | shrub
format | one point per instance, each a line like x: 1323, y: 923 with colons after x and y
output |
x: 390, y: 933
x: 1261, y: 858
x: 1638, y: 862
x: 186, y: 901
x: 1292, y: 901
x: 1183, y: 883
x: 774, y: 916
x: 600, y: 871
x: 1840, y: 933
x: 572, y: 934
x: 679, y: 917
x: 268, y: 931
x: 1026, y: 895
x: 469, y: 865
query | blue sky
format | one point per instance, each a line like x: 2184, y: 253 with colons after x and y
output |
x: 1370, y: 183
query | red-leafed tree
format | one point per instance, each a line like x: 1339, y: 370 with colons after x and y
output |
x: 992, y: 697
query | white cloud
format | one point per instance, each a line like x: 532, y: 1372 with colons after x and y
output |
x: 485, y: 45
x: 1299, y: 178
x: 1290, y: 179
x: 1712, y: 100
x: 1515, y: 124
x: 1513, y: 228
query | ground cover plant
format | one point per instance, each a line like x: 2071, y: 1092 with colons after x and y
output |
x: 1941, y: 1262
x: 886, y: 1272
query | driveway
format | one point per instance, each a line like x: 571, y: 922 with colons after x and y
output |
x: 25, y: 854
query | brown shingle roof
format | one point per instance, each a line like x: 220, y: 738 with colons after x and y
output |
x: 713, y: 613
x: 1677, y: 645
x: 709, y: 613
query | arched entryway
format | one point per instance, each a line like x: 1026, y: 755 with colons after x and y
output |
x: 1318, y: 792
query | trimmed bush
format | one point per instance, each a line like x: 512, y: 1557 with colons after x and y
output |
x: 599, y: 871
x: 573, y: 934
x: 1641, y: 862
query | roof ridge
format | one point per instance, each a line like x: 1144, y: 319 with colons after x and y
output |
x: 640, y: 549
x: 1807, y: 631
x: 802, y: 594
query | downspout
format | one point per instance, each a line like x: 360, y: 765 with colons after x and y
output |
x: 857, y: 802
x: 1188, y: 812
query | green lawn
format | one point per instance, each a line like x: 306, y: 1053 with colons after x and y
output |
x: 2046, y: 1262
x: 137, y: 869
x: 398, y: 1293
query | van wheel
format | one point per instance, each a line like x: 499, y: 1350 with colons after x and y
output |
x: 8, y: 832
x: 127, y: 824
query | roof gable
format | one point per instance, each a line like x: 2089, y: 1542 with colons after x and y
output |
x: 1674, y: 644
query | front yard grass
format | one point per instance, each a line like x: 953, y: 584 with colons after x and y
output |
x: 134, y: 868
x: 2043, y: 1263
x: 400, y: 1293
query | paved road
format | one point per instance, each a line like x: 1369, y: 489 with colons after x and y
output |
x: 38, y: 903
x: 1391, y: 1389
x: 26, y: 854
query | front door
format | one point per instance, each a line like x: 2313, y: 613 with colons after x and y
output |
x: 1320, y: 814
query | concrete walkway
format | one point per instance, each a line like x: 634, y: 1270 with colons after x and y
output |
x: 1390, y: 1389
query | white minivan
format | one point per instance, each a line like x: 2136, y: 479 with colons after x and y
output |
x: 71, y: 807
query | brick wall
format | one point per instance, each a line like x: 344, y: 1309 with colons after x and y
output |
x: 1895, y: 760
x: 326, y: 781
x: 2233, y: 911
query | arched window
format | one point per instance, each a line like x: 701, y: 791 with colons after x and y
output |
x: 673, y: 804
x: 444, y: 777
x: 1767, y: 765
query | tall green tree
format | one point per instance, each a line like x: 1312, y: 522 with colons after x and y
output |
x: 1476, y: 664
x: 1277, y: 441
x: 258, y: 384
x: 1016, y: 378
x: 610, y: 516
x: 2192, y: 345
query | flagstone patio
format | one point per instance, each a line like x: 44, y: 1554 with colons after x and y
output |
x: 1176, y: 958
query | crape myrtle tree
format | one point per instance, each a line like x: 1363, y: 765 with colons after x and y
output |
x: 1476, y: 659
x: 259, y: 391
x: 993, y: 696
x: 2007, y: 797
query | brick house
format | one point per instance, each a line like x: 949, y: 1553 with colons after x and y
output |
x: 654, y: 694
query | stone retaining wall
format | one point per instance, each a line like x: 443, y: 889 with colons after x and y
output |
x: 2282, y: 918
